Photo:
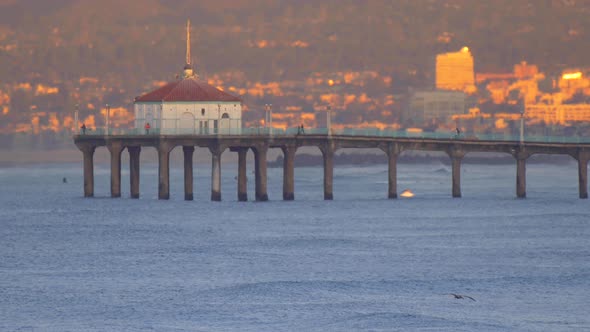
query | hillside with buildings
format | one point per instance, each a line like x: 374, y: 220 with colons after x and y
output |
x: 374, y: 63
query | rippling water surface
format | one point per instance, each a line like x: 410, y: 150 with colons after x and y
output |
x: 360, y: 262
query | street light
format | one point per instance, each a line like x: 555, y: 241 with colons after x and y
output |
x: 329, y: 119
x: 522, y: 126
x: 77, y: 128
x: 218, y: 118
x: 108, y: 117
x: 268, y: 117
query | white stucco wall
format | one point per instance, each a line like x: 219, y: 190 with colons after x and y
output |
x: 189, y: 117
x: 147, y: 112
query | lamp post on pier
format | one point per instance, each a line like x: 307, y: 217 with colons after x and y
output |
x: 268, y: 117
x: 329, y: 119
x: 76, y: 126
x: 108, y: 115
x: 522, y: 127
x: 218, y: 118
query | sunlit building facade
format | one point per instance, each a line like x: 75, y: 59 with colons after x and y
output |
x: 572, y: 82
x: 561, y: 114
x: 454, y: 71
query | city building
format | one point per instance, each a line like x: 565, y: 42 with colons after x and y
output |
x: 572, y: 82
x: 188, y: 105
x: 561, y: 114
x: 523, y: 70
x: 454, y: 71
x: 437, y: 105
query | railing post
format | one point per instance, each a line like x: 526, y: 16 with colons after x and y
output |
x: 134, y: 152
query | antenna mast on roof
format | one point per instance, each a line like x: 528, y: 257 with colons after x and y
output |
x: 188, y: 68
x: 188, y: 42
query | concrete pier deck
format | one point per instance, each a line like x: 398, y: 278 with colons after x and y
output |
x: 328, y: 144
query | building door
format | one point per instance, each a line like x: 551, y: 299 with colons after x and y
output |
x: 225, y: 124
x: 187, y: 123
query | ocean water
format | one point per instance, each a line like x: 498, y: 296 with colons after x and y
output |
x: 358, y: 263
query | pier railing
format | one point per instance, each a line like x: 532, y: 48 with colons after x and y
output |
x: 352, y: 132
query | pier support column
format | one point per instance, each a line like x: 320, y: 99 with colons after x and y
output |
x: 164, y: 171
x: 392, y: 150
x: 583, y: 158
x: 260, y: 172
x: 115, y: 148
x: 242, y: 175
x: 456, y: 157
x: 134, y: 152
x: 289, y: 172
x: 521, y: 158
x: 216, y: 152
x: 88, y: 152
x: 328, y: 154
x: 188, y: 172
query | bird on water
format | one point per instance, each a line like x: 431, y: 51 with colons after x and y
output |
x: 461, y: 297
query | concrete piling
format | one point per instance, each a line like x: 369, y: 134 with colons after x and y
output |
x: 164, y: 171
x: 88, y: 152
x: 115, y: 148
x: 260, y: 172
x: 583, y: 174
x: 188, y: 172
x: 215, y: 173
x: 134, y: 152
x: 392, y: 152
x: 328, y: 154
x: 289, y: 172
x: 242, y: 175
x: 456, y: 155
x: 521, y: 177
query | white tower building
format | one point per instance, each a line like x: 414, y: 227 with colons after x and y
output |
x: 188, y: 106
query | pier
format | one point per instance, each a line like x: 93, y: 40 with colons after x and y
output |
x: 259, y: 140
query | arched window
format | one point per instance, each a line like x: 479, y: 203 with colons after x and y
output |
x: 225, y: 116
x: 202, y: 111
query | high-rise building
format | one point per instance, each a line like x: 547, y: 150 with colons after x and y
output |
x: 454, y: 71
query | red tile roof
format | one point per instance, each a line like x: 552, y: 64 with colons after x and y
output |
x: 188, y: 89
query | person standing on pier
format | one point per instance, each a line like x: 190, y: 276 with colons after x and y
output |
x: 83, y: 127
x: 147, y: 128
